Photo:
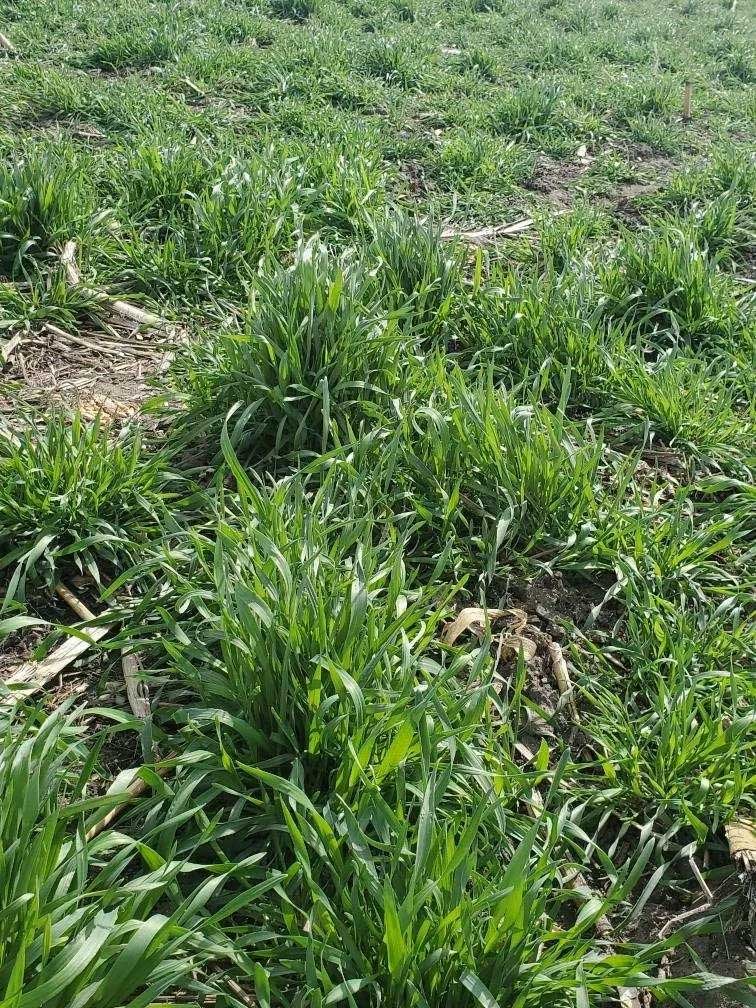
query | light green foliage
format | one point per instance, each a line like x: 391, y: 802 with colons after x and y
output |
x: 72, y: 491
x: 384, y: 411
x: 98, y: 920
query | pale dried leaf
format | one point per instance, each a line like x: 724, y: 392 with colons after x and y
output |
x: 474, y: 616
x: 470, y: 617
x: 514, y: 644
x: 741, y: 836
x: 32, y: 676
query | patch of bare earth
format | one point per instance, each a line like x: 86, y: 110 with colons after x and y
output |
x: 103, y: 365
x: 555, y: 178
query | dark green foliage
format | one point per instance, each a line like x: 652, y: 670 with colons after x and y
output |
x: 293, y: 10
x: 315, y: 349
x: 663, y: 282
x: 46, y: 197
x: 461, y: 319
x: 524, y: 110
x: 75, y: 492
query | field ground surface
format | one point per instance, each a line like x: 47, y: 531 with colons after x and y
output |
x: 376, y: 503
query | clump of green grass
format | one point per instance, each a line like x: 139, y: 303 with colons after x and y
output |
x: 685, y: 405
x: 404, y: 10
x: 248, y: 214
x: 574, y: 400
x: 720, y: 228
x: 422, y: 277
x: 647, y: 129
x: 485, y: 6
x: 496, y: 474
x: 341, y: 189
x: 652, y: 97
x: 81, y: 917
x: 480, y: 62
x: 737, y: 65
x: 430, y: 896
x: 552, y: 52
x: 202, y: 223
x: 211, y: 221
x: 729, y: 173
x: 661, y: 282
x: 525, y: 110
x: 546, y: 330
x: 135, y: 49
x: 46, y: 198
x: 73, y: 492
x: 293, y: 10
x: 315, y: 348
x: 676, y: 550
x: 474, y: 161
x: 676, y: 746
x: 567, y: 238
x: 159, y: 184
x: 45, y: 296
x: 237, y: 27
x: 301, y: 635
x: 393, y: 63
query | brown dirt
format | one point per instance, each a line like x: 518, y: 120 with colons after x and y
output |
x: 654, y: 171
x: 60, y: 125
x: 111, y: 375
x: 414, y: 179
x: 724, y: 954
x: 555, y: 178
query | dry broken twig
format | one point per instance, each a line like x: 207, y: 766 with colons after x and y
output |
x: 33, y: 675
x: 563, y: 681
x: 136, y: 689
x: 5, y: 43
x: 239, y: 992
x: 8, y: 347
x: 73, y: 602
x: 122, y: 308
x: 68, y: 261
x: 135, y: 789
x: 481, y: 236
x: 707, y: 904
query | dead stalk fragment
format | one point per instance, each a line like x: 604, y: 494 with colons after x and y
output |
x: 33, y: 676
x: 136, y: 690
x: 135, y: 789
x: 481, y: 236
x: 563, y: 681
